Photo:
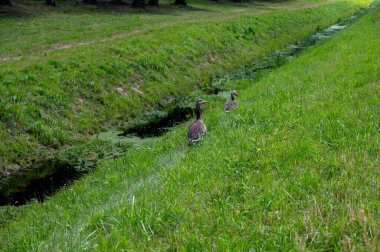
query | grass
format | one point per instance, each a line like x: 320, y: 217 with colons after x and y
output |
x: 296, y: 167
x: 88, y: 24
x: 52, y: 98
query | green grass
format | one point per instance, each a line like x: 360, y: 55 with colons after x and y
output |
x: 88, y: 23
x: 296, y: 167
x: 55, y: 98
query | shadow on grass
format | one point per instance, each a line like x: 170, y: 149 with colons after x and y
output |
x: 28, y: 9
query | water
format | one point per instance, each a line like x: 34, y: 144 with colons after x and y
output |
x: 158, y: 122
x: 37, y: 183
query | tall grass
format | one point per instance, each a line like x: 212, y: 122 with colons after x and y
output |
x: 296, y: 167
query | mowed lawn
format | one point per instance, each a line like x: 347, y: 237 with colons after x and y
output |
x: 295, y: 167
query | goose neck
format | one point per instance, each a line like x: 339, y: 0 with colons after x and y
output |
x: 198, y: 111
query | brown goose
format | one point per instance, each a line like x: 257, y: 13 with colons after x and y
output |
x: 197, y: 128
x: 231, y: 104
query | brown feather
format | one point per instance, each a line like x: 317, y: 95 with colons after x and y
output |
x: 197, y: 129
x: 231, y: 105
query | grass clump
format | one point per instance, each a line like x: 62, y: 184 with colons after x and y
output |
x: 85, y: 156
x: 294, y: 168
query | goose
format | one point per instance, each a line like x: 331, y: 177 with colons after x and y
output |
x: 231, y: 104
x: 197, y: 129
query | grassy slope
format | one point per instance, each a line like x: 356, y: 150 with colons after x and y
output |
x: 295, y: 167
x: 52, y: 100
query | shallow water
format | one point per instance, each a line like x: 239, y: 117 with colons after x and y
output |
x: 37, y: 182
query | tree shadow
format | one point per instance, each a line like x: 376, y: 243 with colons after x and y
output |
x: 16, y: 10
x: 27, y: 9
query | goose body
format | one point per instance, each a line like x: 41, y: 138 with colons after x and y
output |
x: 231, y: 104
x: 197, y: 129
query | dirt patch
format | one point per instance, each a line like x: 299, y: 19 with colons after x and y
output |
x: 137, y: 90
x: 122, y: 91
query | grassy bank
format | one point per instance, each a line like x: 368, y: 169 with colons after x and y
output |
x: 295, y: 167
x: 88, y: 24
x: 56, y: 97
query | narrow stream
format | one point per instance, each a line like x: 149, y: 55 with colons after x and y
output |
x: 46, y: 178
x: 37, y: 182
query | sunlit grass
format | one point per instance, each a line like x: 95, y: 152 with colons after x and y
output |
x: 50, y: 101
x: 84, y: 23
x: 295, y: 167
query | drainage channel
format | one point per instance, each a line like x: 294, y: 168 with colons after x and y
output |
x: 46, y: 178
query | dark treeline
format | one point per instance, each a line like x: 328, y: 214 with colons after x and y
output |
x: 5, y: 2
x: 135, y: 3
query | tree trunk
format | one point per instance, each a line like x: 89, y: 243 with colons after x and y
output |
x: 180, y: 2
x: 153, y: 2
x: 89, y: 1
x: 5, y: 2
x: 139, y: 3
x: 50, y: 3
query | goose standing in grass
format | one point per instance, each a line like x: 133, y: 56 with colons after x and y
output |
x: 197, y: 129
x: 231, y: 104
